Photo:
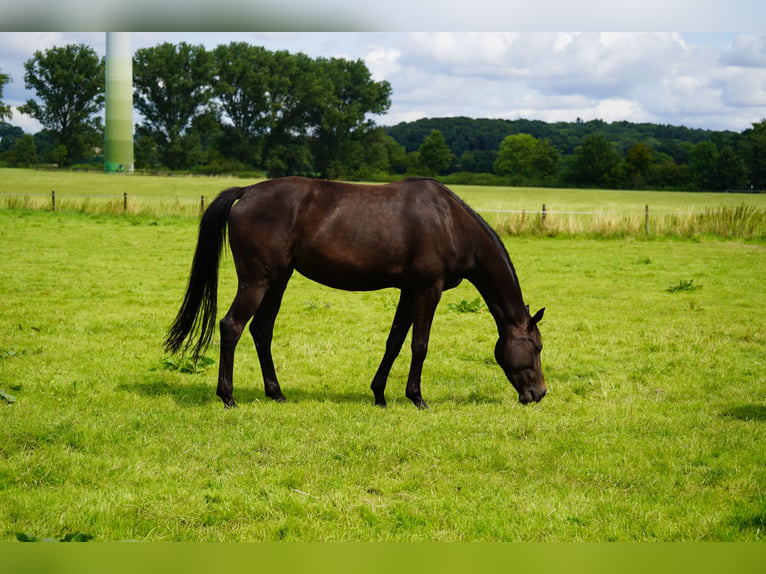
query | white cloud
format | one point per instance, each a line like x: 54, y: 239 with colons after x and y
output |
x: 382, y: 62
x: 747, y: 50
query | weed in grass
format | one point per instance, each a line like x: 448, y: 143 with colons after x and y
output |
x: 683, y: 286
x: 187, y: 365
x: 473, y: 306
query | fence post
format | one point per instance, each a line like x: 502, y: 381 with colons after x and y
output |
x: 646, y: 220
x: 125, y: 201
x: 53, y: 200
x: 543, y: 215
x: 202, y: 204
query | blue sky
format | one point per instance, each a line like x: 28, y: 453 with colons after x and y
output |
x: 707, y: 78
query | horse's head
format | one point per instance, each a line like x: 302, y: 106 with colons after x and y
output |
x: 518, y: 353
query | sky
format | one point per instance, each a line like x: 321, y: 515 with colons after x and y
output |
x: 708, y: 79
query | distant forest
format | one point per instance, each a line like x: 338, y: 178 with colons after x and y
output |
x: 594, y: 153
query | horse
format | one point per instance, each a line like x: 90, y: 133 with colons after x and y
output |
x: 415, y: 235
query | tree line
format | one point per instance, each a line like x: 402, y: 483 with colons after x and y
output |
x: 242, y: 108
x: 233, y: 108
x: 595, y: 153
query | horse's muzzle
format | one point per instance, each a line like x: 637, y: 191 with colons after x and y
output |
x: 532, y: 396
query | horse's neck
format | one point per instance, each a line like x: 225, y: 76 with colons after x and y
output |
x: 498, y: 285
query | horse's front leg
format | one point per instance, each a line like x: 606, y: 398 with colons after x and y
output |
x: 399, y: 329
x: 424, y: 307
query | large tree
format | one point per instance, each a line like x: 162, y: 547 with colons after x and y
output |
x: 343, y: 134
x: 525, y: 156
x: 753, y: 150
x: 434, y: 156
x: 242, y: 80
x: 296, y: 99
x: 593, y: 160
x: 172, y: 85
x: 5, y: 110
x: 69, y: 82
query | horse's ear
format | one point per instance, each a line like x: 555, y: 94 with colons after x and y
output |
x: 537, y: 318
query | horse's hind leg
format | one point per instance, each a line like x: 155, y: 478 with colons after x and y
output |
x: 262, y: 330
x: 245, y: 304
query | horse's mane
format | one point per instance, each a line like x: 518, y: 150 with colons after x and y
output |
x: 478, y: 218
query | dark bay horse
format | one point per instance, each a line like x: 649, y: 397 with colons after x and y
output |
x: 414, y: 235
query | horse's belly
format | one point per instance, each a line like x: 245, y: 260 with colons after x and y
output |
x: 349, y: 276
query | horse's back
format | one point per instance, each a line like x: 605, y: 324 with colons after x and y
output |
x: 350, y: 236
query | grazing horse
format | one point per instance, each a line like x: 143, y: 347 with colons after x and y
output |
x: 414, y: 235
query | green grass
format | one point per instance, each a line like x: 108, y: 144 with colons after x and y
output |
x: 653, y: 428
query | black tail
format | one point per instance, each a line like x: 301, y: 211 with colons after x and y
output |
x: 198, y: 311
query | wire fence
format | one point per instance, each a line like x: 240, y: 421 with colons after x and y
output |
x: 743, y: 221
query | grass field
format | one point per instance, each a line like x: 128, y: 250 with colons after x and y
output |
x: 653, y: 428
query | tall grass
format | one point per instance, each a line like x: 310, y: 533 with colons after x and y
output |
x: 740, y: 222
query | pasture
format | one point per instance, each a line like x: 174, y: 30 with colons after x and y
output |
x: 653, y: 427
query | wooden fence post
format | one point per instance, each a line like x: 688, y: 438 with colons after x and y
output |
x: 125, y: 201
x: 53, y: 200
x: 543, y: 215
x: 202, y: 204
x: 646, y: 220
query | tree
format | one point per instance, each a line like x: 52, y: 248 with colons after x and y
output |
x: 5, y: 110
x: 527, y: 157
x: 434, y: 156
x: 717, y: 169
x: 242, y: 76
x: 8, y: 135
x: 341, y: 137
x: 172, y: 86
x: 69, y: 81
x: 24, y: 151
x: 593, y: 160
x: 753, y: 151
x: 638, y: 161
x: 296, y: 99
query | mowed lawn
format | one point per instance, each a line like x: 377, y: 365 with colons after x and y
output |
x: 653, y: 428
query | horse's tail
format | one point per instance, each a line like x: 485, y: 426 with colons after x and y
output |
x: 198, y: 310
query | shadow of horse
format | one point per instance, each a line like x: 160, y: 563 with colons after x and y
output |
x: 194, y: 393
x: 747, y: 413
x: 198, y: 393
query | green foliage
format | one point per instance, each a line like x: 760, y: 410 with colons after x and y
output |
x: 68, y: 537
x: 434, y: 156
x: 753, y: 151
x: 172, y: 85
x: 683, y: 286
x: 187, y: 365
x: 526, y: 157
x: 5, y: 110
x: 594, y: 161
x: 473, y: 306
x: 69, y: 84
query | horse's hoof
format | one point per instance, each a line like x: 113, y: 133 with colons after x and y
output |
x: 231, y: 405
